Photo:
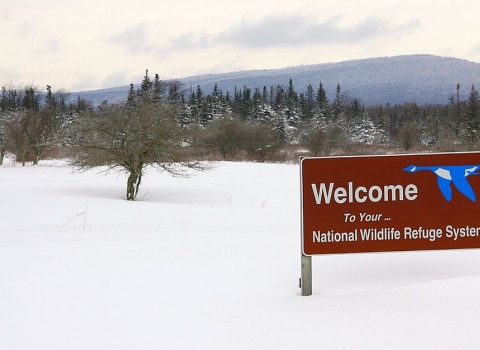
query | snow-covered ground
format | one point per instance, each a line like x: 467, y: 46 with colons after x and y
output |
x: 209, y: 262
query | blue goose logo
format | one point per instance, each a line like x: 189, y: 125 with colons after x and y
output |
x: 453, y: 173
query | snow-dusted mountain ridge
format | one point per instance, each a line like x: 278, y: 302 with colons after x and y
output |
x: 424, y: 79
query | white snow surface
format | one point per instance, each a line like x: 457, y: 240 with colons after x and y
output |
x: 208, y: 262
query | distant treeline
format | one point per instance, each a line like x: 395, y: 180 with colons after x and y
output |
x: 250, y: 123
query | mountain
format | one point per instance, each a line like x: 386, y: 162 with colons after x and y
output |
x: 424, y: 79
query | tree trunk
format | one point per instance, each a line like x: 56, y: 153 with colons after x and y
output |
x: 36, y: 158
x: 36, y: 153
x: 133, y: 182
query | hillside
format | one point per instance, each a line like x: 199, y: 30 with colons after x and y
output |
x: 424, y: 79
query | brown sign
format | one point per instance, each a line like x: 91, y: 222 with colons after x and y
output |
x: 390, y: 203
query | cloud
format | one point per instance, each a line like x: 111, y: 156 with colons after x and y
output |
x: 84, y: 83
x: 296, y: 30
x: 191, y: 40
x: 9, y: 74
x: 55, y: 45
x: 6, y: 13
x: 475, y: 50
x: 118, y: 78
x: 132, y: 39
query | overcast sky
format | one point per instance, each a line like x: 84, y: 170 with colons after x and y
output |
x: 91, y: 44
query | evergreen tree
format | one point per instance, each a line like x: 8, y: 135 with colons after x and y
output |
x: 356, y: 108
x: 292, y: 97
x: 31, y: 98
x: 264, y: 95
x: 471, y: 118
x: 278, y: 97
x: 247, y: 103
x: 157, y: 87
x: 257, y: 100
x: 457, y: 111
x: 146, y: 83
x: 175, y: 93
x: 320, y: 115
x: 131, y: 97
x: 50, y: 102
x: 228, y: 99
x: 337, y: 103
x: 185, y: 116
x: 11, y: 99
x: 243, y: 103
x: 321, y: 97
x: 199, y: 94
x: 266, y: 114
x: 215, y: 107
x: 83, y: 105
x: 308, y: 102
x: 366, y: 131
x: 198, y: 108
x: 291, y: 111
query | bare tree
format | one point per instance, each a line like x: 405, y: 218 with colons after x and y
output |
x: 130, y: 137
x: 260, y: 140
x: 409, y: 136
x: 225, y: 135
x: 3, y: 140
x: 16, y: 125
x: 29, y: 132
x: 315, y: 141
x: 322, y: 141
x: 42, y: 127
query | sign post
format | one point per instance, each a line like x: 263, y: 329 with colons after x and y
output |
x: 389, y: 203
x: 306, y: 279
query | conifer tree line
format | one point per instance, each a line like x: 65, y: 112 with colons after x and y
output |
x: 246, y: 123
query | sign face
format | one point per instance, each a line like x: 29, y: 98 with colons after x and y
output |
x: 390, y: 203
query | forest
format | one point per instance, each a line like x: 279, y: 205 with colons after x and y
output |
x: 274, y: 123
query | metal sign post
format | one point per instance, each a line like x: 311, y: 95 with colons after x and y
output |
x: 306, y: 279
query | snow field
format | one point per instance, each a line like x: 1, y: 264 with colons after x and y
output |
x: 208, y: 262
